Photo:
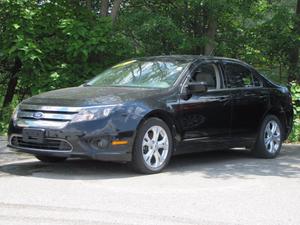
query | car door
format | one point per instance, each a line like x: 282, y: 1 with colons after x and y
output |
x: 205, y: 117
x: 249, y: 100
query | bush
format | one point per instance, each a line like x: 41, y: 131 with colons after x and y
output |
x: 295, y: 90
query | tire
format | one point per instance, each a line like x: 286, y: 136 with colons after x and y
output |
x: 270, y: 137
x: 50, y: 159
x: 147, y: 156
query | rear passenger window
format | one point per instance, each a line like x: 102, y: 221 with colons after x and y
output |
x: 238, y: 76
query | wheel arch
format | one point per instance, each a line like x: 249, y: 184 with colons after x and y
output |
x: 168, y: 119
x: 280, y: 114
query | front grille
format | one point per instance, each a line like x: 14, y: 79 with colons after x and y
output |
x: 45, y: 116
x: 48, y: 144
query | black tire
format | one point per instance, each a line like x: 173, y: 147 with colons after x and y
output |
x: 50, y: 159
x: 260, y: 149
x: 138, y: 163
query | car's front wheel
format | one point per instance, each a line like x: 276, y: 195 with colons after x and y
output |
x: 269, y: 140
x: 153, y: 147
x: 50, y: 159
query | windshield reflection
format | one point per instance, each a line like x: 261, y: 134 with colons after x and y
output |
x: 137, y: 73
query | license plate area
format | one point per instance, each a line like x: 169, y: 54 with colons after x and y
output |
x: 33, y: 135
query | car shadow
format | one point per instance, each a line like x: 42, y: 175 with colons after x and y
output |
x: 218, y: 164
x: 239, y: 164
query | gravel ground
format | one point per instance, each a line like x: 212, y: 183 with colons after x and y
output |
x: 215, y: 188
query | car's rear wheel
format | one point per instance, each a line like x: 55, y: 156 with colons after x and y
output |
x: 153, y: 147
x: 50, y: 159
x: 269, y: 140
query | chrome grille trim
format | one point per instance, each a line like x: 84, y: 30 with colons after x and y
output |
x: 39, y: 149
x: 55, y: 117
x: 46, y: 115
x: 41, y: 123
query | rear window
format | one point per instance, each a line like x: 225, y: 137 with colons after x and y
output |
x: 239, y: 76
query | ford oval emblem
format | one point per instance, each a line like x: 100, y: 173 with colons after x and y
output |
x: 38, y: 115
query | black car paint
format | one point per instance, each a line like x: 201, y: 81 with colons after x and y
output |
x: 221, y: 118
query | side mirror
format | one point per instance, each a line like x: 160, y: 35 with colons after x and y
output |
x: 197, y: 87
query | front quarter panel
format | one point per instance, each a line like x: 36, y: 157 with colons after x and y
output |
x: 122, y: 124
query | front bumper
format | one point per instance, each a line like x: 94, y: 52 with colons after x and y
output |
x: 96, y: 139
x: 74, y: 143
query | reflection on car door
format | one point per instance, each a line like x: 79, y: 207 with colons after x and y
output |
x: 205, y: 117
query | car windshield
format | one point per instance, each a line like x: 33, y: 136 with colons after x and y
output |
x: 138, y: 73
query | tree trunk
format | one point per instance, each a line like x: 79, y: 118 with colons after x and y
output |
x: 89, y: 4
x: 12, y: 83
x: 104, y: 7
x: 210, y: 34
x: 294, y: 52
x: 115, y: 10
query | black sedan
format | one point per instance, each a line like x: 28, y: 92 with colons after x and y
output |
x: 145, y: 110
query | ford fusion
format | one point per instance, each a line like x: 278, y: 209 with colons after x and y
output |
x: 145, y: 110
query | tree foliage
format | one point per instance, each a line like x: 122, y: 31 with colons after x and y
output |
x: 50, y: 44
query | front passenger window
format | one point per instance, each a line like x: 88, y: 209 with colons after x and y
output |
x: 207, y: 74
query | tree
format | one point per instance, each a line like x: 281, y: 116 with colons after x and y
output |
x: 294, y: 50
x: 47, y: 45
x: 44, y: 46
x: 104, y: 7
x: 115, y: 9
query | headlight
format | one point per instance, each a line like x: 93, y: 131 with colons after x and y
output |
x: 89, y: 114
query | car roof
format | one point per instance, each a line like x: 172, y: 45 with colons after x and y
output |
x: 187, y: 58
x: 198, y: 58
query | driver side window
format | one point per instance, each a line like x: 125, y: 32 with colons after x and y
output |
x: 209, y: 74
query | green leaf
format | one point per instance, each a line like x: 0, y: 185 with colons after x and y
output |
x: 16, y: 26
x: 54, y: 76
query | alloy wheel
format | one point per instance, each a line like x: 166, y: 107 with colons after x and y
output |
x: 155, y: 147
x: 272, y: 136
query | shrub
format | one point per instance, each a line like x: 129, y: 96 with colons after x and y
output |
x: 295, y: 91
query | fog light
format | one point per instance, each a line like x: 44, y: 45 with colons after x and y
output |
x: 102, y: 143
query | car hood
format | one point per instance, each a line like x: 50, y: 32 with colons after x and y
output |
x: 90, y: 96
